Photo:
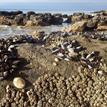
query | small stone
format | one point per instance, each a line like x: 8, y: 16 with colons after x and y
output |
x: 54, y: 63
x: 100, y: 72
x: 56, y: 60
x: 19, y: 82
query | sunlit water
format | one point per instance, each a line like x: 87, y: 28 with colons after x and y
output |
x: 6, y: 31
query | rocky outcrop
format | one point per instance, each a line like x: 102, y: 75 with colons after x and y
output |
x: 30, y: 18
x: 46, y: 19
x: 81, y: 22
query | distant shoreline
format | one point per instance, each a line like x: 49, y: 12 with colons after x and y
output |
x: 52, y: 12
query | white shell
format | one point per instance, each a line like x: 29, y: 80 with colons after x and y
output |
x: 19, y: 82
x: 60, y: 55
x: 71, y: 50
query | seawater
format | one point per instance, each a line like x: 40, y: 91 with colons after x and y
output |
x: 6, y: 31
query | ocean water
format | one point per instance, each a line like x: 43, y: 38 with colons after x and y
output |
x: 64, y: 8
x: 54, y: 7
x: 7, y: 31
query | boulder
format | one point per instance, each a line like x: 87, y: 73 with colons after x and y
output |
x: 20, y: 19
x: 79, y: 17
x: 56, y: 20
x: 78, y: 26
x: 38, y: 20
x: 69, y: 19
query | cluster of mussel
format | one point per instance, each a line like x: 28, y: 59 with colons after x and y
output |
x: 8, y: 54
x: 68, y: 50
x: 8, y: 57
x: 72, y: 50
x: 96, y: 35
x: 21, y: 39
x: 91, y: 60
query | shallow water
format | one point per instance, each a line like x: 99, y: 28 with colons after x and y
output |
x: 6, y: 31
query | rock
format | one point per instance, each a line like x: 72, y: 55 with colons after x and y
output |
x: 56, y: 20
x: 28, y: 14
x: 80, y: 17
x: 56, y: 60
x: 91, y: 25
x: 20, y: 19
x: 54, y: 64
x: 5, y: 21
x: 38, y: 20
x: 69, y: 19
x: 29, y: 23
x: 102, y: 28
x: 6, y: 13
x: 78, y: 26
x: 38, y: 35
x: 100, y: 72
x: 77, y: 17
x: 19, y: 82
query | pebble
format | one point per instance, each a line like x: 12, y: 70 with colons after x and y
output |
x: 56, y: 60
x: 100, y: 72
x: 19, y: 82
x: 54, y: 64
